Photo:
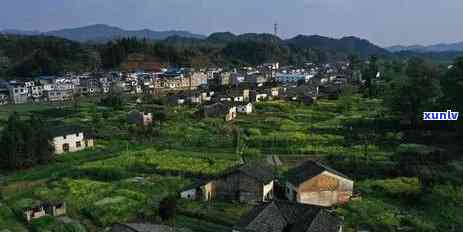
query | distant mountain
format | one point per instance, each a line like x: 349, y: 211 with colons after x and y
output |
x: 352, y: 45
x: 20, y: 32
x: 442, y: 47
x: 104, y: 33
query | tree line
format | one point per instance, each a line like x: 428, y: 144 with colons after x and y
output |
x: 30, y: 56
x: 25, y: 143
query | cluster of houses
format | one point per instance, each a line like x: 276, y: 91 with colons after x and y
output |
x: 228, y: 94
x: 310, y: 190
x: 65, y: 88
x: 301, y: 202
x: 195, y: 86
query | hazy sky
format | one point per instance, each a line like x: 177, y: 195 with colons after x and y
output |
x: 385, y: 22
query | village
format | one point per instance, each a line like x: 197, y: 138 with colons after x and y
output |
x: 154, y: 148
x: 302, y: 201
x: 183, y: 85
x: 228, y: 116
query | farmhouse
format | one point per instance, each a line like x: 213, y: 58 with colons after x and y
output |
x: 316, y: 184
x: 140, y: 118
x: 201, y: 191
x: 55, y: 209
x: 134, y: 227
x: 34, y: 213
x: 227, y: 111
x: 248, y: 183
x: 70, y: 139
x: 245, y: 108
x: 279, y: 216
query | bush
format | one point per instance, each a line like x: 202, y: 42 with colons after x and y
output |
x: 111, y: 210
x: 51, y: 224
x: 251, y: 153
x: 397, y: 188
x: 168, y: 208
x: 375, y: 214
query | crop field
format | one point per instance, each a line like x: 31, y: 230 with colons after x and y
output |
x: 128, y: 173
x: 152, y: 160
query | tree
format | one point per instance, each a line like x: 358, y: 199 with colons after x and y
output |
x: 420, y: 161
x: 116, y: 98
x: 10, y: 142
x: 354, y: 67
x: 76, y: 101
x: 416, y: 92
x: 168, y: 208
x: 346, y: 98
x: 24, y: 143
x: 160, y: 115
x: 370, y: 75
x: 41, y: 141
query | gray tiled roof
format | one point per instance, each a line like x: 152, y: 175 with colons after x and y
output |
x: 281, y: 216
x: 138, y: 227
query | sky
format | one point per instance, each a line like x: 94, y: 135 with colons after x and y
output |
x: 384, y: 22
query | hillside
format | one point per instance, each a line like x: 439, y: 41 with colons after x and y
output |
x: 50, y: 55
x: 43, y: 55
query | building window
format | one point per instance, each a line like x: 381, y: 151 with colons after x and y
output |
x: 66, y: 147
x: 78, y: 144
x: 65, y: 137
x: 77, y: 134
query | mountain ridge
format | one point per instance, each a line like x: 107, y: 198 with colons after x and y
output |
x: 105, y: 33
x: 440, y: 47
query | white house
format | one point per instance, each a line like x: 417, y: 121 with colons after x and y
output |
x: 245, y: 108
x: 70, y: 139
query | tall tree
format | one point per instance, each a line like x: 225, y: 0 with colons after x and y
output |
x: 370, y: 74
x: 41, y: 141
x: 10, y: 142
x: 24, y: 143
x: 416, y: 92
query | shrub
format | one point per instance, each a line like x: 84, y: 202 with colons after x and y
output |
x: 251, y: 153
x: 375, y: 214
x: 168, y: 208
x: 111, y: 210
x: 104, y: 173
x: 397, y: 188
x: 51, y: 224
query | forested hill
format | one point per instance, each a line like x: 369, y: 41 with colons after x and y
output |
x: 43, y: 55
x: 25, y: 56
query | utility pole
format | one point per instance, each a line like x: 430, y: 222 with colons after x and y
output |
x: 275, y: 29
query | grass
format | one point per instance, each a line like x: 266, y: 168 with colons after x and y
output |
x: 120, y: 180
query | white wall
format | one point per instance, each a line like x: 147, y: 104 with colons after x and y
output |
x: 267, y: 189
x: 72, y: 140
x: 188, y: 194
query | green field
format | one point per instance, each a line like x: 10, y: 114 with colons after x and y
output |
x: 126, y: 175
